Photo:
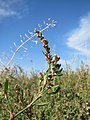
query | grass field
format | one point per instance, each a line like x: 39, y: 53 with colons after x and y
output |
x: 71, y: 102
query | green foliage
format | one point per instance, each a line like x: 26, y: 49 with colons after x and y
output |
x: 5, y: 86
x: 71, y: 102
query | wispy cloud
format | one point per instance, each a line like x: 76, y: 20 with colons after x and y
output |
x: 10, y: 8
x: 79, y: 38
x: 5, y: 12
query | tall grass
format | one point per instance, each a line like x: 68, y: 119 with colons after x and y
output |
x: 72, y: 102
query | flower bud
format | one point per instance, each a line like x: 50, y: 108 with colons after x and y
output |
x: 12, y: 116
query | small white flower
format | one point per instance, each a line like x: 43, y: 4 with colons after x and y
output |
x: 20, y: 35
x: 26, y: 36
x: 44, y: 22
x: 49, y: 19
x: 21, y: 41
x: 14, y: 44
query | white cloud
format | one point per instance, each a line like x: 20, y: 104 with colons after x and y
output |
x: 79, y: 38
x: 10, y: 8
x: 5, y: 13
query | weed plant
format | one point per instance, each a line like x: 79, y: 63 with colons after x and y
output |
x: 46, y: 95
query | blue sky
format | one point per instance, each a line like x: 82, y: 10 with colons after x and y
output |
x: 70, y: 39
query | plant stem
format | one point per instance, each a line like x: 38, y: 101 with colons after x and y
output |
x: 28, y: 106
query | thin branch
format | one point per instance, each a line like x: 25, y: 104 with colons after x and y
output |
x: 28, y: 106
x: 25, y: 43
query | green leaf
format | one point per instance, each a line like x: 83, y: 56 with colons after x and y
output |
x: 58, y: 75
x: 39, y: 81
x: 55, y: 88
x: 61, y: 69
x: 42, y: 104
x: 40, y: 35
x: 45, y: 77
x: 5, y: 86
